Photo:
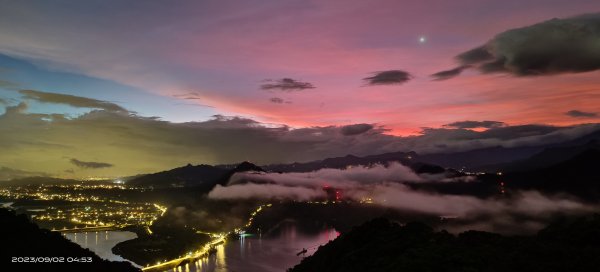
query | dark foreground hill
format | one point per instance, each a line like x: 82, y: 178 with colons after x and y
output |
x: 380, y: 245
x: 22, y: 238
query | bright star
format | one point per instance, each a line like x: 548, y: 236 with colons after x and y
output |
x: 422, y: 39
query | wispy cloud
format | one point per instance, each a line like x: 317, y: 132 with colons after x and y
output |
x: 448, y: 74
x: 581, y: 114
x: 355, y: 129
x: 72, y: 100
x: 7, y: 173
x: 286, y: 85
x: 279, y: 100
x: 89, y: 164
x: 475, y: 124
x: 189, y: 96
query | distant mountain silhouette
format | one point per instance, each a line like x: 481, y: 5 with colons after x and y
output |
x: 497, y: 158
x: 247, y: 166
x: 481, y: 159
x: 22, y: 238
x: 380, y: 245
x: 242, y: 167
x: 410, y: 159
x: 579, y: 175
x: 547, y: 157
x: 208, y: 175
x: 193, y: 176
x: 570, y: 169
x: 39, y: 181
x: 520, y: 162
x: 186, y: 176
x: 337, y: 162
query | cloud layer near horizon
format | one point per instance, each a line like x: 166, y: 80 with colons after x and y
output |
x: 385, y: 187
x: 36, y: 142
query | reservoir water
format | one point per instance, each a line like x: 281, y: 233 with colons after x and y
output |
x: 102, y: 242
x: 250, y: 253
x: 266, y: 253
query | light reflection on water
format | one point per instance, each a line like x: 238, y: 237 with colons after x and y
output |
x: 261, y: 254
x: 101, y: 242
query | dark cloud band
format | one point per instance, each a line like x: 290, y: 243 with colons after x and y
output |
x: 355, y: 129
x: 556, y: 46
x: 94, y: 165
x: 278, y: 100
x: 390, y: 77
x: 448, y: 74
x: 475, y: 124
x: 286, y: 85
x: 581, y: 114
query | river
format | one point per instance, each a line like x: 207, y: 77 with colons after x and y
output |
x: 102, y: 242
x: 261, y: 253
x: 250, y: 253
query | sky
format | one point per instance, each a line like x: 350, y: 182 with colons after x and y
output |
x: 114, y: 88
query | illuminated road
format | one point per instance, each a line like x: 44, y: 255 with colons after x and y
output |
x: 92, y: 228
x: 203, y: 252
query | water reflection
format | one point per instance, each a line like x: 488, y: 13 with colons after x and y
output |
x: 242, y: 246
x: 254, y: 253
x: 103, y: 246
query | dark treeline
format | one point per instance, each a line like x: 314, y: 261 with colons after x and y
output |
x: 22, y: 238
x: 165, y: 243
x: 381, y: 245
